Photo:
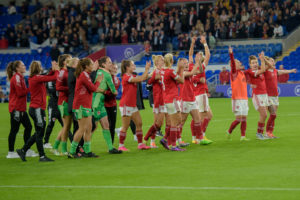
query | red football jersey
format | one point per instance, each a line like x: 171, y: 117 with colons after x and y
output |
x: 110, y: 98
x: 258, y: 82
x: 187, y: 89
x: 169, y: 85
x: 37, y: 89
x: 271, y: 82
x: 158, y: 99
x: 18, y: 93
x: 200, y: 88
x: 62, y: 86
x: 84, y: 90
x: 129, y: 91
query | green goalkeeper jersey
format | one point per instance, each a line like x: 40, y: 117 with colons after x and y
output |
x: 107, y: 82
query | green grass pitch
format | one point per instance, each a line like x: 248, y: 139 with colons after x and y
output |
x: 224, y: 170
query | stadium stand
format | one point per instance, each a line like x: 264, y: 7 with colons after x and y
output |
x: 77, y: 26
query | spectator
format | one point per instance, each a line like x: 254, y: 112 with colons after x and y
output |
x: 278, y: 31
x: 211, y: 41
x: 3, y: 43
x: 11, y: 10
x: 224, y: 76
x: 54, y: 52
x: 284, y: 77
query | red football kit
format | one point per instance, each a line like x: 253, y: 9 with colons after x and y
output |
x: 84, y: 91
x: 18, y: 93
x: 129, y: 91
x: 37, y: 89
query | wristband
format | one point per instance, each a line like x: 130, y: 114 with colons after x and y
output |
x: 205, y: 45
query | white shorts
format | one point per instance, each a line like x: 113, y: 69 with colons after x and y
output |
x: 188, y: 106
x: 260, y: 100
x: 202, y: 101
x: 160, y: 109
x: 128, y: 111
x: 240, y: 107
x: 273, y: 101
x: 172, y: 108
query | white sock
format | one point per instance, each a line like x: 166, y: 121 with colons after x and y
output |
x: 152, y: 141
x: 121, y: 145
x: 193, y: 138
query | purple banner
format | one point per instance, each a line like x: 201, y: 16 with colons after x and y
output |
x: 284, y: 90
x: 119, y: 52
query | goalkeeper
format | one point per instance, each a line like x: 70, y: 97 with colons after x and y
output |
x: 100, y: 115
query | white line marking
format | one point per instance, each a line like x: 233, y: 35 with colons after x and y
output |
x: 149, y: 187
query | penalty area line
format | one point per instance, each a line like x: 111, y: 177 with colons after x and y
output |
x: 148, y: 187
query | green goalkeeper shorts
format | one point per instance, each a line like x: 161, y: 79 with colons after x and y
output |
x: 82, y: 112
x: 63, y: 109
x: 99, y: 112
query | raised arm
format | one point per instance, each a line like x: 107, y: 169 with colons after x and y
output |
x: 179, y: 78
x: 281, y: 72
x: 191, y: 51
x: 207, y: 52
x: 263, y: 64
x: 144, y: 76
x: 232, y: 62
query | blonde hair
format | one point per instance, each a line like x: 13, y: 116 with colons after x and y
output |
x: 202, y: 56
x: 35, y: 68
x: 168, y: 60
x: 155, y: 59
x: 71, y: 62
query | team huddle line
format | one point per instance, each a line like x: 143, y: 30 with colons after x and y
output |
x: 84, y: 92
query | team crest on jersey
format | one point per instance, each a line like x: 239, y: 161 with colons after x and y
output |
x: 53, y: 119
x: 98, y: 113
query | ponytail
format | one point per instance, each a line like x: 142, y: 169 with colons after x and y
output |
x: 12, y: 68
x: 124, y: 65
x: 81, y: 66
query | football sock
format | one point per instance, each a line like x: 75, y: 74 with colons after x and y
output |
x: 233, y: 125
x: 56, y: 144
x: 87, y: 147
x: 107, y: 138
x: 73, y: 147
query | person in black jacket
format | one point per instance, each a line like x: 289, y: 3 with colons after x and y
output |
x: 53, y: 112
x: 71, y: 65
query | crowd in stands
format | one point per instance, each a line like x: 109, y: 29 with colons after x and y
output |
x: 72, y: 25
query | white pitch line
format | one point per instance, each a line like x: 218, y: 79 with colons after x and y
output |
x: 148, y: 187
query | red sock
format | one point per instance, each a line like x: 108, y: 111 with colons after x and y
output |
x: 271, y: 123
x: 167, y: 132
x: 122, y: 137
x: 260, y: 127
x: 243, y: 127
x: 197, y: 130
x: 173, y: 133
x: 179, y: 131
x: 139, y: 135
x: 233, y: 125
x: 205, y: 124
x: 192, y: 128
x: 152, y: 130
